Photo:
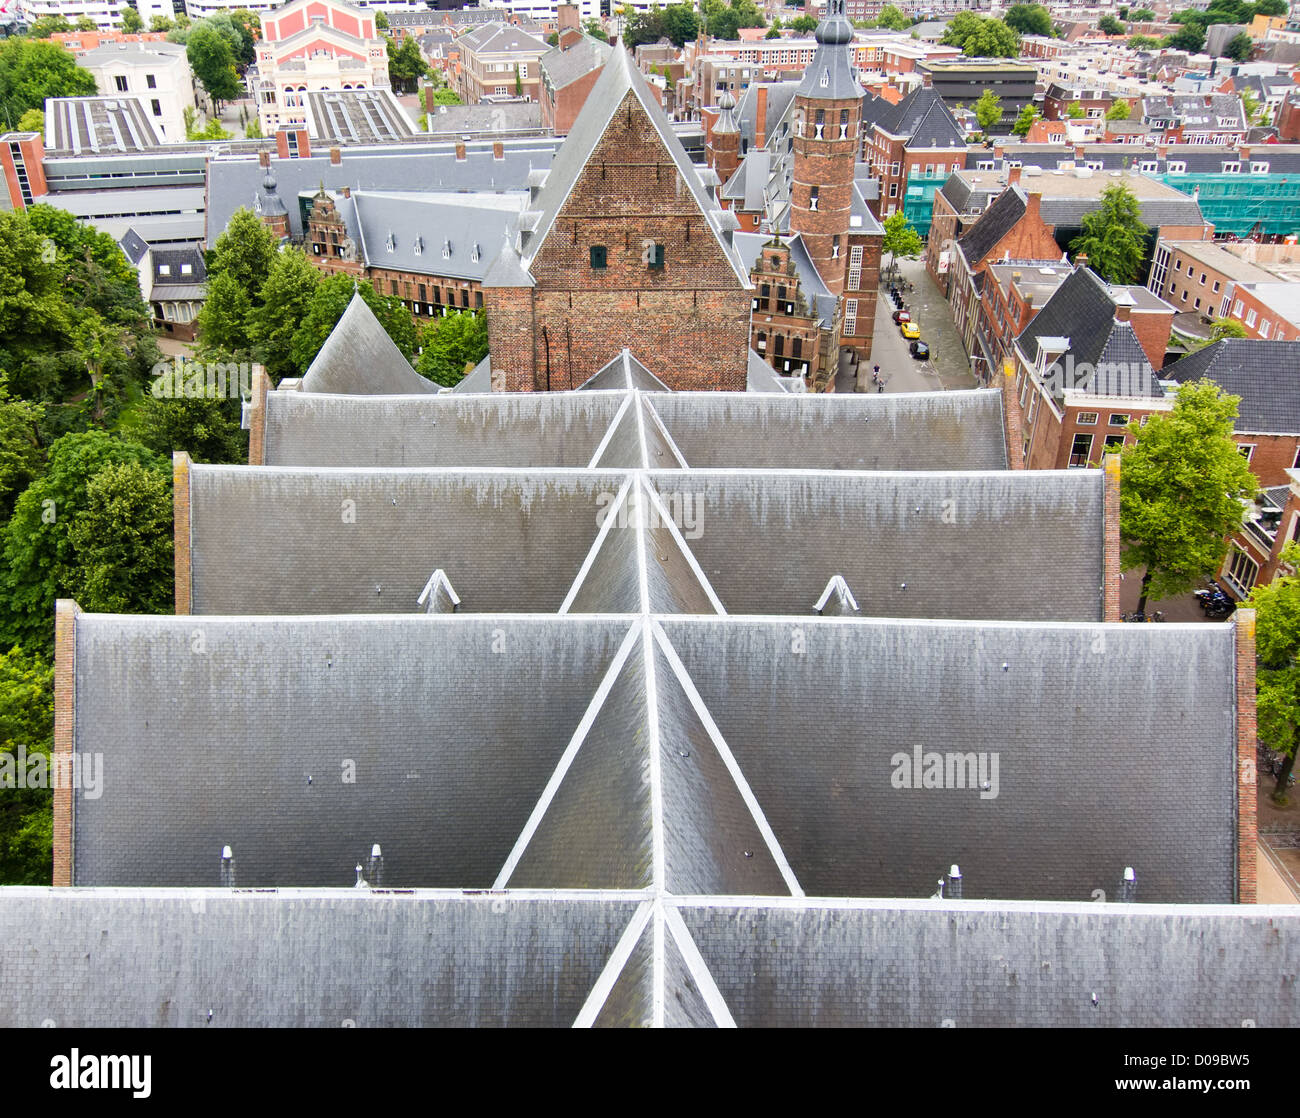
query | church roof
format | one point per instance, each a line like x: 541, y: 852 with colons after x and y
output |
x: 359, y: 357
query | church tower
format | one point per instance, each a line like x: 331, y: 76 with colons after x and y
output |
x: 827, y: 116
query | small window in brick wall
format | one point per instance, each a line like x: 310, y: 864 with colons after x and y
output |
x: 598, y: 256
x: 656, y: 260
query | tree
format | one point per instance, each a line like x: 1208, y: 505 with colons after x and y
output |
x: 1114, y: 236
x: 1250, y: 103
x: 681, y: 24
x: 381, y: 21
x: 213, y: 63
x: 445, y: 97
x: 406, y: 65
x: 122, y: 538
x: 205, y: 428
x: 26, y: 728
x: 328, y: 303
x: 1029, y: 19
x: 85, y: 23
x: 102, y: 347
x: 33, y: 120
x: 1142, y: 42
x: 31, y: 71
x: 893, y: 19
x: 1190, y: 37
x: 803, y: 24
x: 1110, y: 25
x: 1181, y: 487
x: 724, y: 21
x: 46, y: 26
x: 1239, y: 48
x: 773, y: 32
x: 209, y: 132
x: 223, y: 320
x: 1141, y: 15
x: 245, y: 250
x: 286, y: 298
x: 980, y: 36
x: 40, y: 561
x: 1025, y: 121
x: 21, y: 456
x: 593, y: 28
x: 1119, y: 110
x: 1075, y: 111
x: 1277, y: 667
x: 1271, y: 7
x: 131, y: 22
x: 901, y: 239
x: 452, y: 345
x: 161, y: 23
x: 988, y: 109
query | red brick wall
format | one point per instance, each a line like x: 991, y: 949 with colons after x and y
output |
x: 1152, y: 330
x: 510, y: 325
x: 1272, y: 457
x: 257, y: 419
x: 1111, y: 547
x: 65, y: 722
x: 181, y: 524
x: 1011, y: 419
x: 826, y: 164
x: 1247, y: 740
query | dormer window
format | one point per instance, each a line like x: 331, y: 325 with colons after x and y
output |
x: 417, y: 246
x: 826, y: 79
x: 390, y: 244
x: 446, y: 250
x: 474, y: 253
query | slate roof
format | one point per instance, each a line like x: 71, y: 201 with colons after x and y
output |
x: 133, y: 246
x: 829, y: 76
x: 360, y: 357
x: 992, y: 225
x: 564, y: 67
x: 501, y: 38
x: 923, y: 117
x: 457, y: 120
x: 1261, y: 372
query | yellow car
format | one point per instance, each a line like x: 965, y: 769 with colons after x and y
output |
x: 910, y: 330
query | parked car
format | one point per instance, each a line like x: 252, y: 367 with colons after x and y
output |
x: 919, y: 349
x: 901, y: 315
x: 910, y: 330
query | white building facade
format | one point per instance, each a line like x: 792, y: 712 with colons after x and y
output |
x: 157, y: 73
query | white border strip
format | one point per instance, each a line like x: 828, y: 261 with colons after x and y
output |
x: 728, y: 759
x: 617, y: 961
x: 699, y: 969
x: 668, y: 438
x: 666, y: 517
x: 570, y: 752
x: 610, y: 517
x: 609, y: 434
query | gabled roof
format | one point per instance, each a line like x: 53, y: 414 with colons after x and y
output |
x: 1262, y: 373
x: 619, y: 84
x: 564, y: 67
x: 829, y: 75
x: 133, y: 246
x: 924, y: 119
x: 502, y: 38
x: 359, y: 357
x: 992, y: 225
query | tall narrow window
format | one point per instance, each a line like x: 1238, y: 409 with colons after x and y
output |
x: 598, y: 256
x: 812, y: 199
x: 656, y: 261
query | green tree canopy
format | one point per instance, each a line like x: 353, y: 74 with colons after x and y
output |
x: 1142, y: 42
x: 1114, y: 236
x: 26, y: 729
x: 285, y: 300
x: 328, y: 303
x: 1075, y: 111
x: 901, y: 238
x: 988, y: 109
x: 1141, y: 15
x: 1025, y: 121
x: 46, y: 26
x: 981, y: 36
x: 223, y: 320
x: 1271, y: 7
x: 724, y: 21
x: 161, y: 23
x: 406, y: 65
x: 1239, y: 48
x: 1110, y: 25
x: 893, y: 19
x: 213, y: 62
x: 33, y: 120
x: 452, y: 345
x: 1181, y: 486
x: 381, y: 21
x: 1277, y: 667
x: 40, y: 560
x: 1190, y: 37
x: 1029, y: 19
x: 593, y: 28
x: 32, y: 71
x: 131, y: 21
x: 21, y: 454
x: 1119, y: 110
x: 245, y: 250
x: 206, y: 429
x: 122, y: 538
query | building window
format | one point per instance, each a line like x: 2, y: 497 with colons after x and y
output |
x: 1196, y: 303
x: 762, y: 342
x: 1237, y: 308
x: 119, y: 80
x: 812, y: 198
x: 150, y: 81
x: 1086, y: 419
x: 1250, y: 318
x: 1114, y: 443
x: 656, y: 258
x: 164, y: 269
x: 1241, y: 572
x: 1178, y: 264
x: 1081, y: 451
x: 850, y: 317
x: 1202, y: 279
x: 156, y: 105
x: 1259, y: 168
x: 598, y: 256
x: 1265, y: 327
x: 893, y: 190
x: 1246, y: 450
x: 1216, y: 286
x: 1118, y: 419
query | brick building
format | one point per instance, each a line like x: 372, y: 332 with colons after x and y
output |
x: 569, y: 71
x: 916, y: 138
x: 620, y: 239
x: 499, y: 60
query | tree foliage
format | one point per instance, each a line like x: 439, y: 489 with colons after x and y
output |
x: 213, y: 62
x: 1110, y: 25
x: 724, y: 21
x: 207, y: 429
x: 21, y: 454
x: 406, y: 65
x: 1119, y: 110
x: 1181, y: 486
x: 41, y: 560
x: 1239, y: 48
x: 1277, y: 667
x: 988, y: 109
x: 26, y: 729
x: 901, y: 239
x: 1142, y: 42
x: 452, y: 345
x: 329, y: 301
x: 1029, y: 19
x: 1075, y: 111
x: 981, y: 36
x: 285, y: 299
x: 1140, y: 15
x: 1114, y: 236
x: 131, y: 21
x: 32, y: 71
x: 679, y: 23
x: 1190, y: 37
x: 893, y: 19
x: 1025, y: 121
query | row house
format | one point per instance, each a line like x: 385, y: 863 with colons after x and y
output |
x: 500, y: 60
x: 918, y: 138
x: 1194, y: 118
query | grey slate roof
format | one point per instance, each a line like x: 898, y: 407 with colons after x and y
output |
x: 992, y: 225
x: 359, y: 357
x: 133, y: 246
x: 1262, y: 373
x: 509, y: 116
x: 564, y: 67
x: 829, y: 75
x: 442, y: 958
x: 925, y: 119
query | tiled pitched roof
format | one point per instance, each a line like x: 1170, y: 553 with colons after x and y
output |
x: 1262, y: 373
x: 992, y: 225
x: 360, y: 357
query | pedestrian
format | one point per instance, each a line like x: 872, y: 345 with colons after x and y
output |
x: 880, y: 387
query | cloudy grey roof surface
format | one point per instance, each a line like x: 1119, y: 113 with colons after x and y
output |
x: 1262, y: 373
x: 455, y: 120
x: 564, y: 67
x: 359, y: 357
x: 441, y: 958
x: 992, y: 225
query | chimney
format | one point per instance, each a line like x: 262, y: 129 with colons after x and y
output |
x: 1123, y: 312
x: 760, y: 118
x: 263, y: 158
x: 1081, y: 261
x: 336, y: 156
x: 566, y: 17
x: 460, y: 151
x: 926, y: 79
x: 1013, y: 176
x: 1033, y: 204
x: 954, y: 883
x: 498, y: 150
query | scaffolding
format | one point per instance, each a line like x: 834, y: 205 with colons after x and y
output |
x: 1236, y: 204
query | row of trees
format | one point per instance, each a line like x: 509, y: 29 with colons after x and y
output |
x: 981, y: 36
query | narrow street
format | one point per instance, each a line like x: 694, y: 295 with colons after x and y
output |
x: 947, y: 366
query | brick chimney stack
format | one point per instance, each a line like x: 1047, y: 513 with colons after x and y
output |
x: 1013, y: 176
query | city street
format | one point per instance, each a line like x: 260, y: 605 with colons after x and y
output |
x: 947, y: 366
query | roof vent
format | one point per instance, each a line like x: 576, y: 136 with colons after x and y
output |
x: 227, y: 868
x: 446, y: 250
x: 837, y: 599
x: 1128, y: 886
x: 375, y: 866
x: 954, y: 883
